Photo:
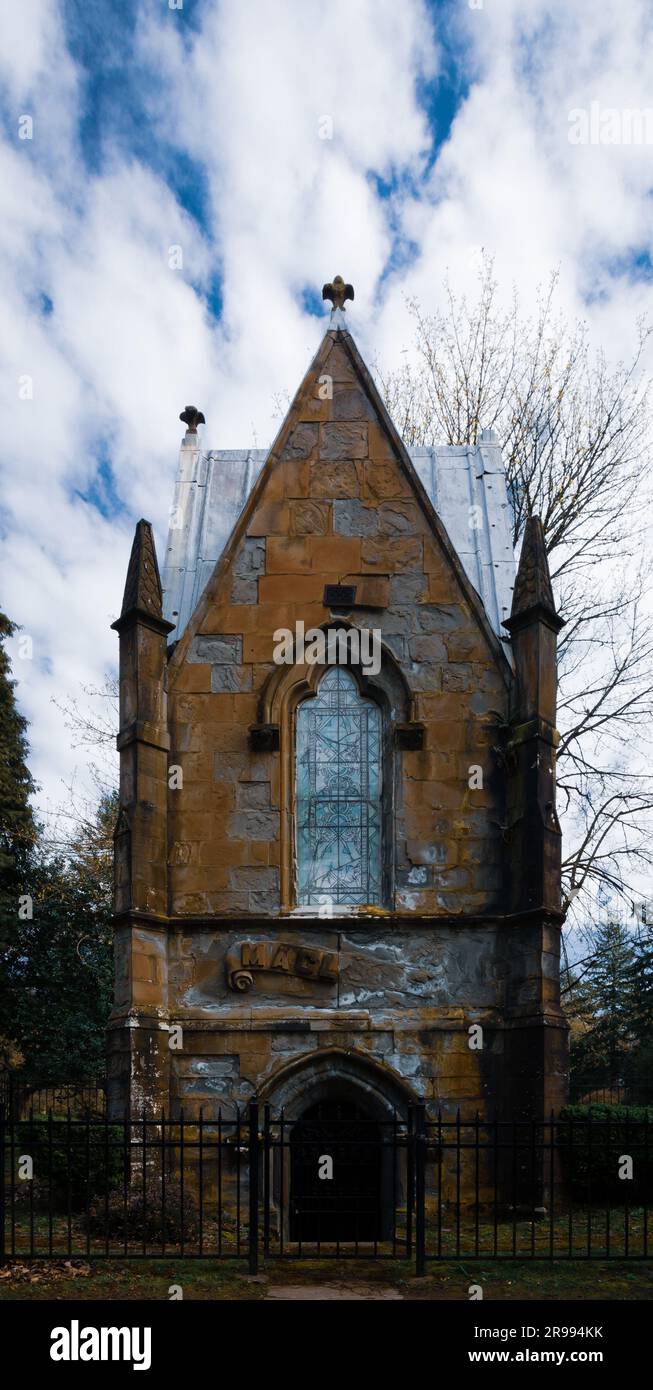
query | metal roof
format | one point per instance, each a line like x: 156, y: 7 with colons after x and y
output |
x: 212, y: 489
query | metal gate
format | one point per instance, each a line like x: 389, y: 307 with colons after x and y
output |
x: 338, y: 1184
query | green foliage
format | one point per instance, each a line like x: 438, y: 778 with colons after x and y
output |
x: 640, y: 983
x: 75, y: 1162
x: 18, y: 829
x: 611, y: 1012
x: 610, y: 1007
x: 55, y: 912
x: 593, y: 1138
x: 56, y: 973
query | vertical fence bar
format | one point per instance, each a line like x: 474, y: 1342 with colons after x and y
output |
x: 3, y: 1248
x: 394, y: 1183
x: 164, y: 1164
x: 420, y: 1191
x: 253, y: 1188
x: 220, y: 1180
x: 266, y: 1180
x: 628, y: 1146
x: 477, y: 1202
x: 440, y: 1162
x: 646, y: 1181
x: 107, y: 1182
x: 69, y: 1183
x: 495, y: 1174
x: 12, y: 1181
x: 126, y: 1177
x: 220, y: 1143
x: 589, y: 1182
x: 570, y: 1169
x: 552, y: 1177
x: 201, y: 1181
x: 238, y: 1140
x: 282, y: 1164
x: 31, y: 1186
x: 164, y: 1161
x: 50, y: 1211
x: 410, y: 1180
x: 182, y: 1174
x: 87, y: 1183
x: 144, y: 1180
x: 458, y: 1153
x: 535, y: 1192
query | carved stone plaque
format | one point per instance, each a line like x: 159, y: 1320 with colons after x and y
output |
x: 283, y: 957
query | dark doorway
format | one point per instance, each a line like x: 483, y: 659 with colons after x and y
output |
x: 347, y: 1206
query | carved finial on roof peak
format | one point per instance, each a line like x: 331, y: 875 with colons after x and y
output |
x: 337, y: 291
x: 192, y: 417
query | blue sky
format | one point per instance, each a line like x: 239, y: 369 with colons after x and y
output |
x: 199, y: 131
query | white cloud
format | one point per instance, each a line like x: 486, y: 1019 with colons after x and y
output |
x: 238, y: 104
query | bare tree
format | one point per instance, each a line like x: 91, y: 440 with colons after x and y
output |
x: 575, y: 436
x: 86, y: 815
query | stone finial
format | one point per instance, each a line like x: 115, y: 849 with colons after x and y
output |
x: 143, y: 585
x: 192, y: 417
x: 533, y: 582
x: 533, y: 592
x: 338, y: 292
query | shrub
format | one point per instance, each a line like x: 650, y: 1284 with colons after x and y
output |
x: 593, y: 1138
x: 137, y: 1215
x: 72, y: 1163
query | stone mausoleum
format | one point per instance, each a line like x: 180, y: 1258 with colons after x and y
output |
x: 329, y: 872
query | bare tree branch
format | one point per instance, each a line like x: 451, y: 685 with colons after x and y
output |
x: 575, y: 433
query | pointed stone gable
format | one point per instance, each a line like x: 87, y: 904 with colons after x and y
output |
x: 143, y: 585
x: 338, y: 503
x: 339, y: 483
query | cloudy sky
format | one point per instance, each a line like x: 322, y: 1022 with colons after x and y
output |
x: 137, y: 126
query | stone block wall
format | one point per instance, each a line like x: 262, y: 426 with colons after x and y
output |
x: 335, y: 507
x: 273, y: 1001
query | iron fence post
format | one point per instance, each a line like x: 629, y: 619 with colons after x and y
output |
x: 410, y: 1180
x: 2, y: 1183
x: 253, y: 1188
x: 266, y: 1180
x: 420, y: 1190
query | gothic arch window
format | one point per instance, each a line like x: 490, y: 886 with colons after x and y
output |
x: 338, y: 794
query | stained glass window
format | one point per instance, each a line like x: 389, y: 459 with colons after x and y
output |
x: 338, y: 794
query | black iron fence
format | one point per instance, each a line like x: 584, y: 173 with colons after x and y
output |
x: 591, y: 1088
x: 22, y: 1096
x: 409, y: 1188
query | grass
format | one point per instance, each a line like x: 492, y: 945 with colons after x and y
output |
x: 606, y: 1232
x: 83, y: 1268
x: 207, y: 1280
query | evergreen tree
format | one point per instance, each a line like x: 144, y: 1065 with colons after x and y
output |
x: 600, y: 1051
x: 18, y: 830
x: 640, y: 1063
x: 642, y: 981
x: 56, y: 971
x: 55, y: 921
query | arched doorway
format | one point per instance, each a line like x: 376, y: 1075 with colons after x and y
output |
x: 344, y: 1104
x: 336, y: 1174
